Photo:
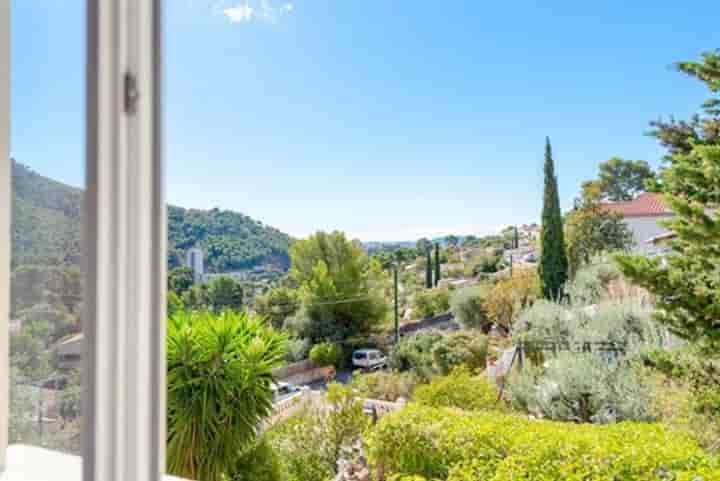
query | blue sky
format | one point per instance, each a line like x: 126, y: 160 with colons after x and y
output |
x: 387, y: 119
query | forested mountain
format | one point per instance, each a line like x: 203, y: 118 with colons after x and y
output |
x: 46, y: 229
x: 45, y: 219
x: 231, y: 241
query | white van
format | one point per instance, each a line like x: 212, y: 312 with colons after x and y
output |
x: 369, y: 359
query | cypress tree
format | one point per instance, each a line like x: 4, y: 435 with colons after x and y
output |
x: 437, y: 264
x: 553, y: 266
x: 428, y: 269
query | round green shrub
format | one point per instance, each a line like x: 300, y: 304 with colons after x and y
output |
x: 463, y: 348
x: 326, y: 354
x: 460, y: 390
x: 259, y: 463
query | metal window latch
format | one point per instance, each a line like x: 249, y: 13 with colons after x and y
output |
x: 131, y: 94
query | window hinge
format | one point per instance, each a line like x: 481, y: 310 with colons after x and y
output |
x: 131, y: 94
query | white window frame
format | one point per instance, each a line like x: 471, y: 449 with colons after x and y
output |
x: 124, y: 242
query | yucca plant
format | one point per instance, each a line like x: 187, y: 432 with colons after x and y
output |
x: 219, y: 389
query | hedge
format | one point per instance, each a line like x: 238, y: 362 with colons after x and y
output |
x: 446, y: 443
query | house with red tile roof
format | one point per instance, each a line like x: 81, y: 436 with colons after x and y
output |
x: 642, y: 216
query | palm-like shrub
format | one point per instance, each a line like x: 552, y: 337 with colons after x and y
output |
x: 219, y: 389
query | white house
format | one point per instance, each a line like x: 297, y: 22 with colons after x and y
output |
x: 642, y: 216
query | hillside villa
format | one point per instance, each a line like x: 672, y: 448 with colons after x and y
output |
x: 642, y: 216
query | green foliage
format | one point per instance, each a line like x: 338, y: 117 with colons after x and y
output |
x: 431, y: 302
x: 460, y: 389
x: 414, y: 354
x: 467, y: 305
x: 619, y: 180
x: 687, y: 282
x: 627, y: 322
x: 258, y: 463
x: 510, y: 296
x: 224, y: 293
x: 449, y: 444
x: 29, y: 355
x: 339, y: 286
x: 297, y: 350
x: 682, y: 385
x: 46, y: 229
x: 217, y: 295
x: 590, y: 283
x: 591, y: 230
x: 462, y: 348
x: 326, y: 354
x: 230, y: 241
x: 277, y: 304
x: 174, y: 303
x: 70, y: 397
x: 438, y: 270
x: 45, y: 219
x: 487, y: 264
x: 387, y: 386
x: 311, y: 443
x: 219, y: 389
x: 583, y: 388
x: 428, y: 270
x: 180, y: 280
x: 553, y: 265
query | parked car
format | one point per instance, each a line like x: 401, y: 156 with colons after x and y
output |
x: 283, y: 390
x: 369, y: 359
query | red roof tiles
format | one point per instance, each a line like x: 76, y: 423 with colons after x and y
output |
x: 644, y: 205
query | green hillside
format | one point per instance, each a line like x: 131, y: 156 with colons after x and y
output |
x: 231, y: 241
x: 46, y: 229
x: 45, y: 219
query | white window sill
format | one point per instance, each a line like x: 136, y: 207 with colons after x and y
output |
x: 29, y: 463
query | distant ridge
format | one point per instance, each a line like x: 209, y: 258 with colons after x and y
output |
x: 46, y: 229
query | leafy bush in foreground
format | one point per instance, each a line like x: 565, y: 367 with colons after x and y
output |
x: 219, y: 373
x: 459, y: 390
x: 259, y: 463
x: 310, y: 444
x: 461, y: 446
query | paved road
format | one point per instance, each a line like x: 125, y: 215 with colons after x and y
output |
x: 342, y: 376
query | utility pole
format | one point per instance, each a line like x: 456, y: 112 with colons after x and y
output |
x: 397, y: 320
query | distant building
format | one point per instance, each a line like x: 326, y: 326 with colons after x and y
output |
x: 69, y: 351
x: 195, y: 262
x: 642, y: 216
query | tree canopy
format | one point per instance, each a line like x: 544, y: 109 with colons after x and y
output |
x: 686, y: 283
x: 619, y: 180
x: 591, y: 230
x: 339, y: 286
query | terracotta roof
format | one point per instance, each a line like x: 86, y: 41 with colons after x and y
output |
x: 644, y: 205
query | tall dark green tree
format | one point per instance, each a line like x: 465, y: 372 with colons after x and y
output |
x: 437, y: 264
x: 428, y: 269
x: 553, y: 266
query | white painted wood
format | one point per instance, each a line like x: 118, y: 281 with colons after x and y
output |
x: 124, y: 328
x: 5, y: 209
x: 30, y: 463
